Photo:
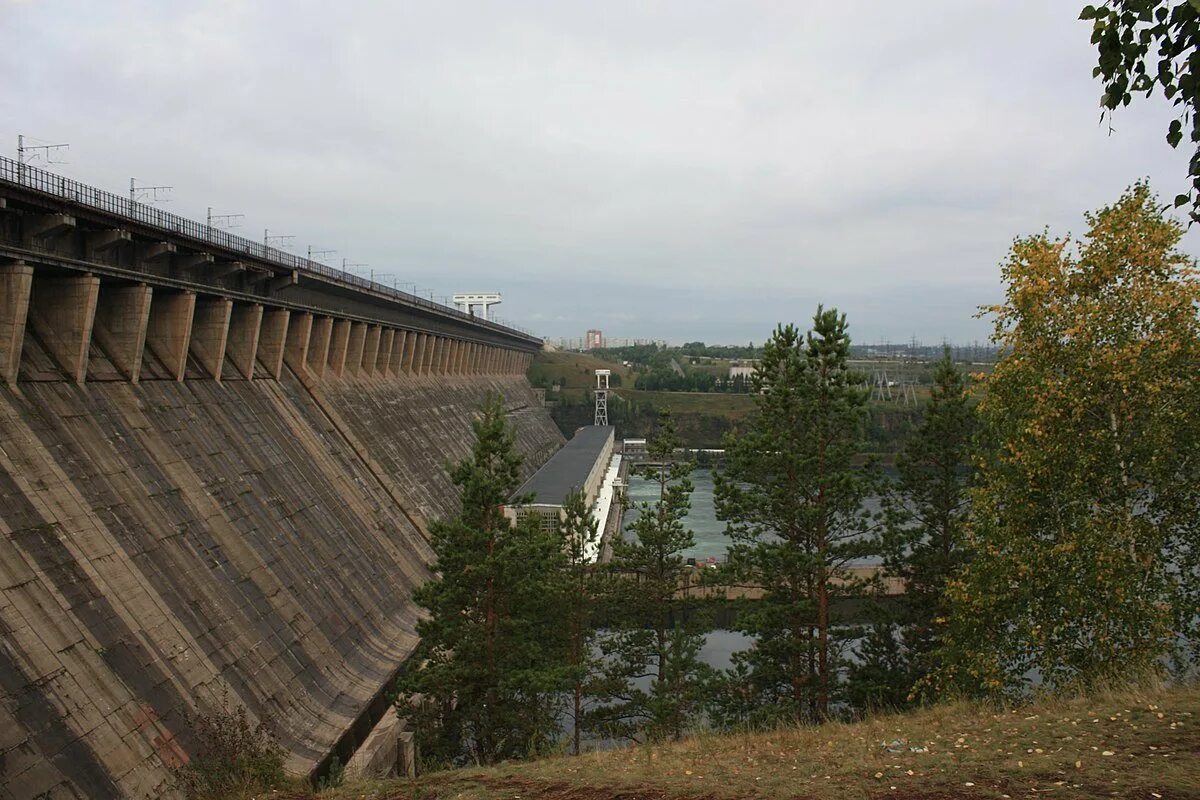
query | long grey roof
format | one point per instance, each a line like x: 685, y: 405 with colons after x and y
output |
x: 568, y: 468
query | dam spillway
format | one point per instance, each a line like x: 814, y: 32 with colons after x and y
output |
x: 216, y: 472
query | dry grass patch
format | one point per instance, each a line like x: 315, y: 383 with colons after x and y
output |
x: 1133, y: 744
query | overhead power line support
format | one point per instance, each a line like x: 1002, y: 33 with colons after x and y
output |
x: 602, y: 376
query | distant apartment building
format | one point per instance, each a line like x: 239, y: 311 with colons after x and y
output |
x: 594, y: 340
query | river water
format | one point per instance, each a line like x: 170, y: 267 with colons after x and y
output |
x: 711, y: 541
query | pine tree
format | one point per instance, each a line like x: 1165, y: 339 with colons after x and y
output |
x: 1083, y: 533
x: 581, y: 598
x: 486, y: 674
x: 792, y: 497
x: 656, y: 634
x: 923, y: 542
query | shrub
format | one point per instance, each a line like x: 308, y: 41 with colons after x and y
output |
x: 235, y: 758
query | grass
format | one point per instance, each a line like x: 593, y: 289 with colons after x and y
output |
x: 721, y: 404
x: 1134, y: 744
x: 572, y: 370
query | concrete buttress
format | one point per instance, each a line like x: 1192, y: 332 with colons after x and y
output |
x: 370, y: 353
x: 417, y: 363
x: 354, y: 351
x: 318, y: 346
x: 16, y: 280
x: 271, y: 339
x: 339, y: 344
x: 122, y: 316
x: 299, y: 336
x: 170, y: 329
x: 61, y: 312
x: 398, y: 349
x: 210, y: 333
x: 245, y: 329
x: 383, y: 363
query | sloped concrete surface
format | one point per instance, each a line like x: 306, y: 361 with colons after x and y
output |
x: 165, y: 542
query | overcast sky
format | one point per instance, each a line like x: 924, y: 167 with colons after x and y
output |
x: 683, y: 170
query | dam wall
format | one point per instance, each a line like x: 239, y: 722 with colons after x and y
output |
x: 218, y: 463
x: 168, y: 546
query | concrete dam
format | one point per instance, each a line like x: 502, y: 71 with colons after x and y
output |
x: 217, y: 465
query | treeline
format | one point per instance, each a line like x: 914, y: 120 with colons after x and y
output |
x: 887, y: 427
x: 1051, y: 530
x: 668, y: 380
x: 651, y: 353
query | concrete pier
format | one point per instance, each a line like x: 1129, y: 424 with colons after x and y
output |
x: 16, y: 280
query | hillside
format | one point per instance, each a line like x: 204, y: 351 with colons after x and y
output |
x: 1133, y: 744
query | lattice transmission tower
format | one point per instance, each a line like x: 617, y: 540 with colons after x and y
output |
x: 602, y: 396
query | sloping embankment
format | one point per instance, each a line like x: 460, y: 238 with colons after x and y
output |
x: 164, y: 544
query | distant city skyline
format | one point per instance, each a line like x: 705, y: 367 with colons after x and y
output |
x: 666, y: 172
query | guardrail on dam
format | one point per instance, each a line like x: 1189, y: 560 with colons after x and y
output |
x: 215, y: 473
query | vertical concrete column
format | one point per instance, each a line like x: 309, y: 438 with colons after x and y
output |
x: 433, y: 354
x: 16, y: 280
x: 170, y: 329
x: 444, y: 364
x: 62, y: 311
x: 383, y: 364
x: 122, y: 315
x: 370, y: 353
x: 434, y: 358
x: 354, y: 353
x: 456, y: 355
x: 271, y: 338
x: 245, y: 326
x: 299, y: 335
x: 410, y: 352
x: 339, y: 344
x: 487, y: 360
x: 460, y: 358
x: 418, y: 359
x: 399, y: 349
x: 210, y: 333
x: 319, y: 343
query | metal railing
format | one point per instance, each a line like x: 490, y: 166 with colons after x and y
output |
x: 58, y: 186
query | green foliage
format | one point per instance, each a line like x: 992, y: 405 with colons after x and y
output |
x: 1083, y: 533
x: 880, y: 677
x: 488, y: 668
x: 792, y: 498
x: 235, y: 758
x: 1147, y: 43
x: 654, y: 632
x: 333, y: 776
x: 923, y: 541
x: 582, y: 593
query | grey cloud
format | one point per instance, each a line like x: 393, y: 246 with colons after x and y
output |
x: 681, y: 170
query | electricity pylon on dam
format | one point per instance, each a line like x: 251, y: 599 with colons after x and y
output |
x: 602, y: 396
x: 482, y: 299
